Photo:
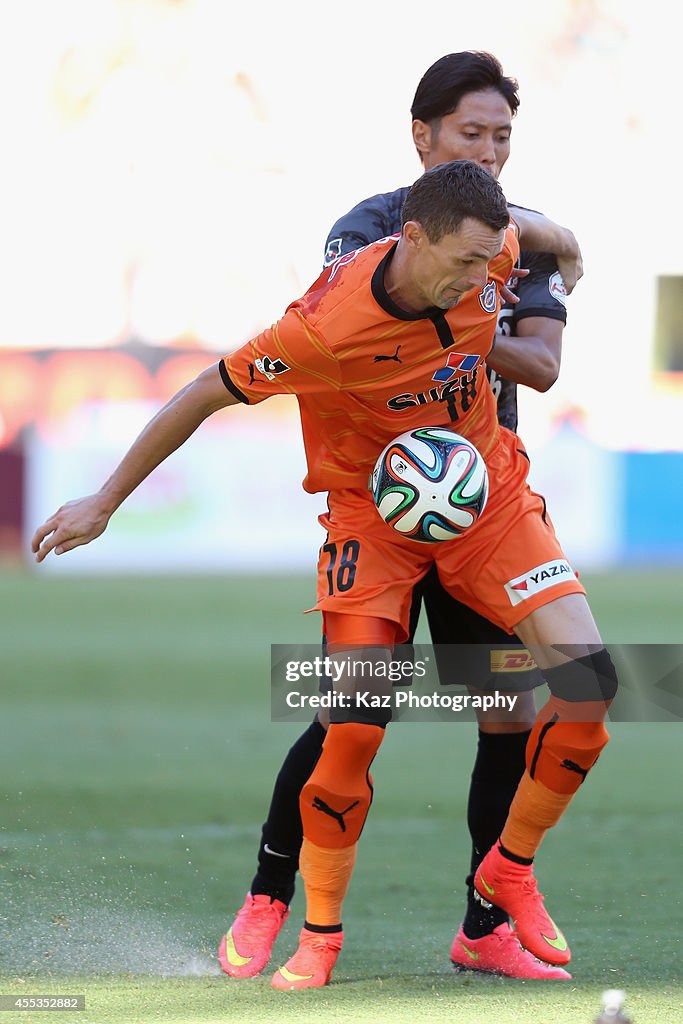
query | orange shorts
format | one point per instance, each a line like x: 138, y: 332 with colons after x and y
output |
x: 507, y: 565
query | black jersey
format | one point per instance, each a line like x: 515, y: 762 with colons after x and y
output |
x: 541, y: 292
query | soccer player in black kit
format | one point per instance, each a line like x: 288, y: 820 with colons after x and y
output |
x: 462, y: 110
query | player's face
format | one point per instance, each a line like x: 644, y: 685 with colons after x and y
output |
x: 478, y: 129
x: 446, y: 269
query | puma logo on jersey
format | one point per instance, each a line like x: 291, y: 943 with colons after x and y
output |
x: 388, y: 359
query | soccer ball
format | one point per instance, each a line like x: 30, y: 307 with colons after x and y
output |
x: 430, y: 484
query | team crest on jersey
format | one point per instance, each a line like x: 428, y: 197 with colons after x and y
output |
x: 270, y: 367
x: 556, y: 287
x: 333, y: 251
x: 488, y: 297
x: 457, y: 362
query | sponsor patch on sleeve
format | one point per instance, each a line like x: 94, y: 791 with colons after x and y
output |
x: 556, y: 287
x: 333, y: 251
x: 541, y: 578
x: 270, y: 367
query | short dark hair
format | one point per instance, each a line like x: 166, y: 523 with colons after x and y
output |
x: 442, y: 198
x: 445, y: 83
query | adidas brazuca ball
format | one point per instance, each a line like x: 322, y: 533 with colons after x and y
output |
x: 430, y: 484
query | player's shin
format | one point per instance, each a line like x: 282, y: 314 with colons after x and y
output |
x: 334, y: 805
x: 498, y: 768
x: 565, y: 743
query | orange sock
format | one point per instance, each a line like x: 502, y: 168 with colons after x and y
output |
x: 335, y: 801
x: 334, y: 805
x: 534, y: 809
x: 326, y: 875
x: 565, y: 742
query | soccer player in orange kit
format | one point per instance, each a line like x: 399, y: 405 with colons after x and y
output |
x: 435, y: 290
x: 463, y: 109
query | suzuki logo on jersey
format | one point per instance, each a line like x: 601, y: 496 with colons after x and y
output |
x: 556, y: 287
x: 460, y: 392
x: 541, y: 578
x: 456, y: 363
x: 488, y: 297
x: 270, y: 367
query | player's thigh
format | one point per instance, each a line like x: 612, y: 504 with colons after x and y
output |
x: 516, y: 565
x: 362, y: 568
x: 417, y: 602
x: 560, y: 631
x: 470, y: 649
x: 358, y: 652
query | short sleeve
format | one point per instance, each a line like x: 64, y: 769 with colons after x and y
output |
x: 368, y: 221
x: 542, y: 292
x: 289, y: 358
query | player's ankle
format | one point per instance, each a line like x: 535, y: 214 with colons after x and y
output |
x: 479, y: 922
x: 275, y: 891
x: 514, y: 858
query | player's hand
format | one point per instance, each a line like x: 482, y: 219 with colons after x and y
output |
x: 570, y: 263
x: 506, y: 292
x: 77, y: 522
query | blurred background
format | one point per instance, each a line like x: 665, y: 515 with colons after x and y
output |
x: 171, y: 170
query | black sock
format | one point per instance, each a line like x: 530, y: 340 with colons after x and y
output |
x: 282, y: 833
x: 323, y: 929
x: 526, y: 861
x: 498, y: 767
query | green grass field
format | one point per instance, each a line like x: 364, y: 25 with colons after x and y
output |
x: 136, y: 762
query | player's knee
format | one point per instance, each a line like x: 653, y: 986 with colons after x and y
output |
x: 606, y: 674
x: 335, y: 800
x: 519, y: 719
x: 569, y: 733
x: 590, y: 678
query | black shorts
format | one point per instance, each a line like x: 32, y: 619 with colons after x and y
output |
x: 468, y: 648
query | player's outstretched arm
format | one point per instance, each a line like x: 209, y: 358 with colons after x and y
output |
x: 78, y: 522
x: 532, y: 356
x: 539, y: 234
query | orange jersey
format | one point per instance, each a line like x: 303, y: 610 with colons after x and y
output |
x: 364, y: 370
